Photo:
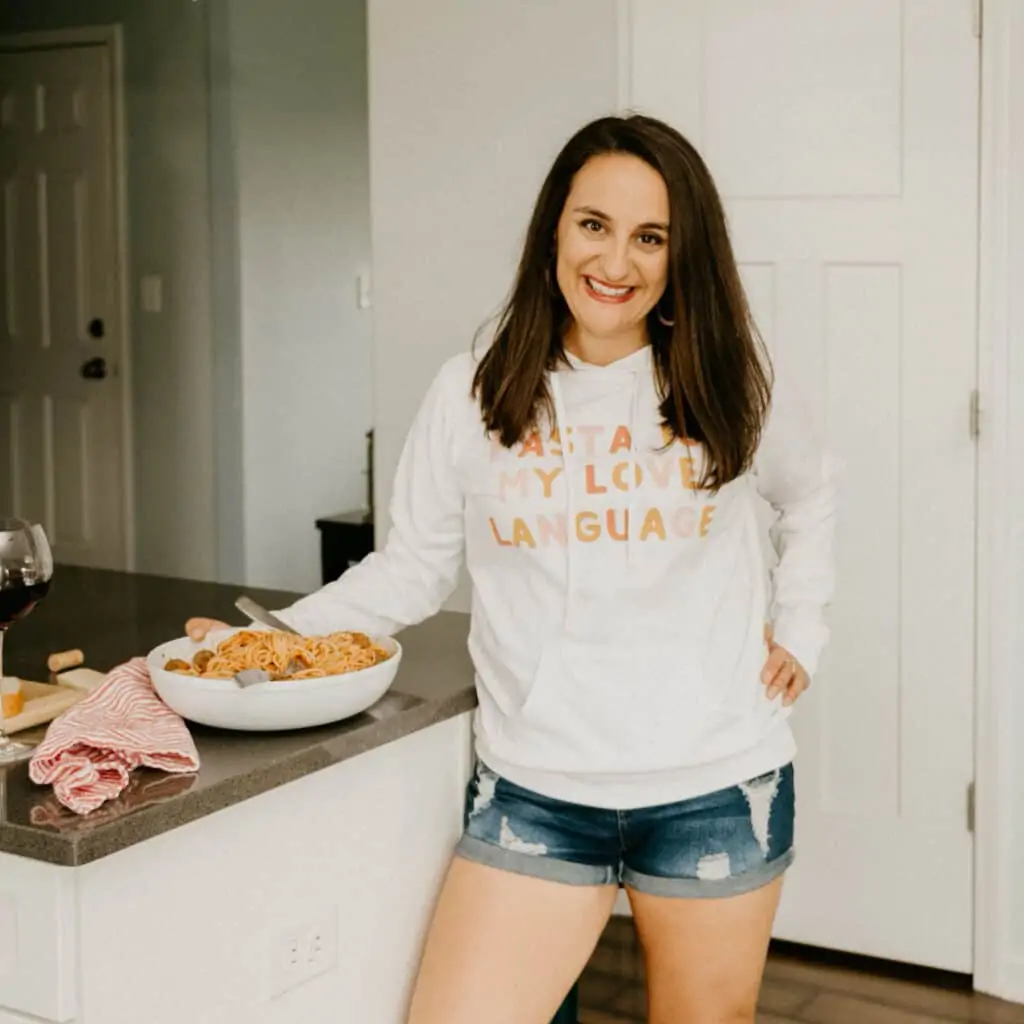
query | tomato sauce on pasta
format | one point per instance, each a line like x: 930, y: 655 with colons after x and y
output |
x: 284, y: 655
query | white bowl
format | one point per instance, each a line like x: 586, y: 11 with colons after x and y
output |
x: 271, y: 706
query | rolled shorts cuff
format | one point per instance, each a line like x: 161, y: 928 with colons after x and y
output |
x: 709, y: 888
x: 549, y: 868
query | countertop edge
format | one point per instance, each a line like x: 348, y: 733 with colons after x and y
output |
x: 147, y: 823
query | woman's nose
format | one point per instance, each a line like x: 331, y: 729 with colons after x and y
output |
x: 615, y: 262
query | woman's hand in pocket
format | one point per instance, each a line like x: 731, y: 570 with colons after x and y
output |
x: 782, y: 673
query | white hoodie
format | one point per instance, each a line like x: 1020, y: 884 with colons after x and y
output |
x: 618, y: 612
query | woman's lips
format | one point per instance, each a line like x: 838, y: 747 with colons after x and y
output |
x: 602, y: 292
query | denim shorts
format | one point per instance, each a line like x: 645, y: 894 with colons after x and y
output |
x: 722, y: 844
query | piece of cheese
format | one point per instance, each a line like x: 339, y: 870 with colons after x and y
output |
x: 84, y: 679
x: 12, y: 700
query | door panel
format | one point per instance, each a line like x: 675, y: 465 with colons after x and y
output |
x: 64, y: 439
x: 844, y: 140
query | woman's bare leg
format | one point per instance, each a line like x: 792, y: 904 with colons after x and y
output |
x: 705, y: 957
x: 505, y: 948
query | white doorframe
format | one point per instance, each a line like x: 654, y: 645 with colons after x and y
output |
x: 998, y: 967
x: 111, y: 37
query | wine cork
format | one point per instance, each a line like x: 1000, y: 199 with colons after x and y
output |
x: 12, y: 700
x: 64, y: 659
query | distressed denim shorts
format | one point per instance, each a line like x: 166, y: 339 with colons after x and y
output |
x: 721, y: 844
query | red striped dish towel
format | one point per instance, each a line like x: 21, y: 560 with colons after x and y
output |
x: 90, y: 750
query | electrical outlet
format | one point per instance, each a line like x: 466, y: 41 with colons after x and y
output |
x: 303, y: 952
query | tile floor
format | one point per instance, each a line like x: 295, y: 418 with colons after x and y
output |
x: 797, y: 990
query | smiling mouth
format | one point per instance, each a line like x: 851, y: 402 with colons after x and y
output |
x: 607, y: 293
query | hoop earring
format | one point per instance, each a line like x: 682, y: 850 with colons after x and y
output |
x: 661, y: 316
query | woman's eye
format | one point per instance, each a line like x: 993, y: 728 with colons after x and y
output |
x: 652, y: 240
x: 592, y: 225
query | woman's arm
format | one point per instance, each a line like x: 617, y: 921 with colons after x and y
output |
x: 418, y: 568
x: 798, y: 478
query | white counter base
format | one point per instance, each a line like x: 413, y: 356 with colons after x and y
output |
x: 196, y: 924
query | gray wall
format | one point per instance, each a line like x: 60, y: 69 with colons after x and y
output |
x: 226, y: 300
x: 248, y: 172
x: 291, y: 160
x: 168, y: 195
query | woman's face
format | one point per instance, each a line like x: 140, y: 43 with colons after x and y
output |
x: 612, y: 246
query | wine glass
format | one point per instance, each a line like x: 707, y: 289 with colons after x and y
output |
x: 26, y: 568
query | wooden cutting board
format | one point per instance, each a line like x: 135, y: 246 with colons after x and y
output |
x: 45, y: 701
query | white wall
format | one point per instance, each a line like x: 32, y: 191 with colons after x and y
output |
x: 296, y: 78
x: 168, y: 229
x: 469, y: 104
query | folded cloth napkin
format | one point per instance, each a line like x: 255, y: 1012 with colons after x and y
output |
x: 90, y: 750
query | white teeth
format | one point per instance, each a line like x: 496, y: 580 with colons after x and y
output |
x: 603, y: 289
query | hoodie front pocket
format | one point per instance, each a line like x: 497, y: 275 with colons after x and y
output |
x: 622, y: 707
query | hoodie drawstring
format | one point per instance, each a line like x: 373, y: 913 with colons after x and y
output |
x: 633, y: 481
x: 632, y: 527
x: 561, y: 425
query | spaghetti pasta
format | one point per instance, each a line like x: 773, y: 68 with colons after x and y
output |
x: 284, y: 655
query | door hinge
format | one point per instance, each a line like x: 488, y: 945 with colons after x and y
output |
x: 974, y: 422
x: 970, y: 807
x: 977, y: 17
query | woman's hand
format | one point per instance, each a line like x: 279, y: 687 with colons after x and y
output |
x: 197, y: 629
x: 782, y: 673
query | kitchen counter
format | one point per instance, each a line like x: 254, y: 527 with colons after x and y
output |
x: 115, y: 616
x: 291, y: 878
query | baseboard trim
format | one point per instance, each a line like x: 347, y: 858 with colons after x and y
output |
x: 818, y: 955
x: 1007, y: 983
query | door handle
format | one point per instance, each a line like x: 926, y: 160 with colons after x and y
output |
x: 94, y: 369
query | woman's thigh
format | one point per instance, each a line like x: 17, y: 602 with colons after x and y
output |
x: 705, y: 957
x: 704, y: 878
x: 525, y: 901
x: 505, y: 947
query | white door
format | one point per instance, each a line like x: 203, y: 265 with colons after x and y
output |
x: 844, y: 137
x: 62, y: 386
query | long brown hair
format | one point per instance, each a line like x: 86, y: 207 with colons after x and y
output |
x: 712, y: 370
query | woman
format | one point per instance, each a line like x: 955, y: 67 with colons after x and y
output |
x: 599, y: 466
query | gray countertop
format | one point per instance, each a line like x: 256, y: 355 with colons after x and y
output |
x: 115, y: 616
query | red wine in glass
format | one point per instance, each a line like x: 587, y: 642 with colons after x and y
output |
x: 17, y: 601
x: 26, y: 568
